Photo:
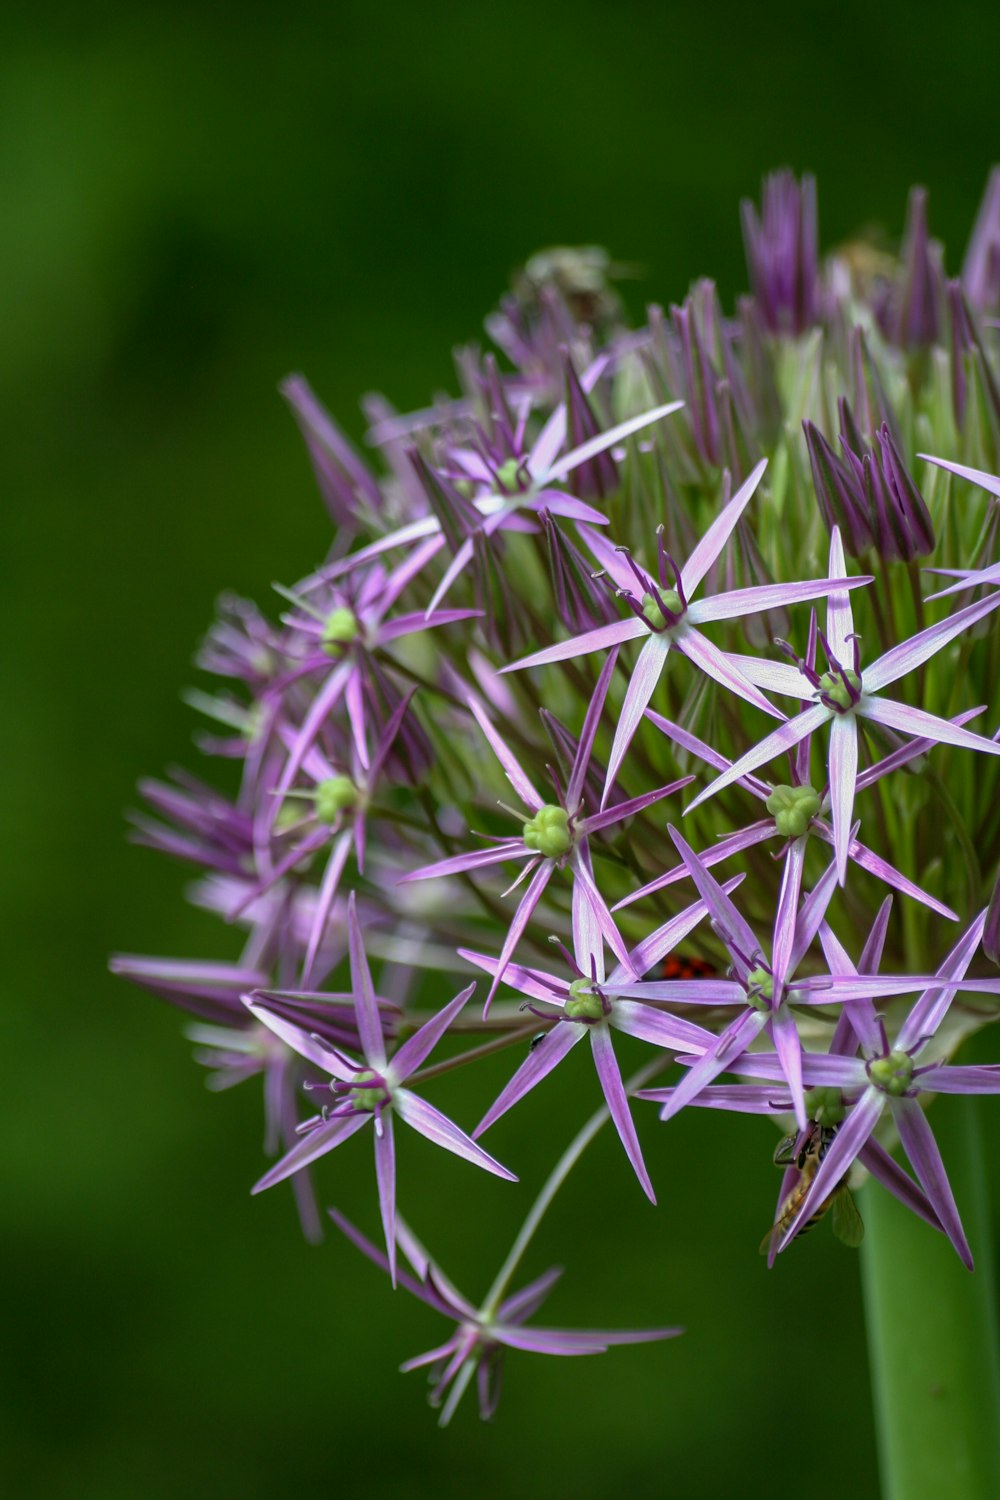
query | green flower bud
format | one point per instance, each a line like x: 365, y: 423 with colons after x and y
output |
x: 760, y: 986
x: 548, y: 832
x: 368, y: 1098
x: 833, y: 687
x: 654, y: 614
x: 892, y: 1074
x: 793, y: 809
x: 583, y: 1003
x: 340, y: 629
x: 334, y: 796
x: 508, y: 476
x: 825, y: 1106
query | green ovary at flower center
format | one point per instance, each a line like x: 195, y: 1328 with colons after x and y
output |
x: 548, y: 832
x: 834, y: 688
x: 509, y: 476
x: 334, y: 796
x: 760, y: 988
x: 892, y: 1074
x: 339, y: 629
x: 652, y: 612
x: 368, y: 1098
x: 793, y: 809
x: 584, y: 1003
x: 825, y: 1106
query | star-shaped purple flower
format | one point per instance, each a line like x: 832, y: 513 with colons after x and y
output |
x: 667, y: 617
x: 842, y: 695
x: 371, y: 1089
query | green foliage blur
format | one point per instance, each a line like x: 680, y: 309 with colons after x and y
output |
x: 197, y: 200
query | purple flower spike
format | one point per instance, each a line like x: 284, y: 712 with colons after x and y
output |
x: 981, y: 268
x: 370, y: 1089
x: 781, y: 253
x: 476, y: 1347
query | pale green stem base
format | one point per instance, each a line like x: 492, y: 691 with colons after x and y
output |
x: 932, y: 1332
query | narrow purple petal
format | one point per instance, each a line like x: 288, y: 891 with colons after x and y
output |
x: 476, y: 859
x: 512, y: 767
x: 756, y: 833
x: 720, y: 908
x: 413, y: 1051
x: 718, y: 534
x: 610, y: 1076
x: 537, y: 1065
x: 320, y: 710
x: 750, y: 601
x: 533, y: 982
x: 786, y: 915
x: 378, y: 1258
x: 777, y: 677
x: 430, y: 1122
x: 319, y: 1140
x: 910, y: 654
x: 694, y: 746
x: 526, y: 1301
x: 592, y: 718
x: 659, y: 943
x: 784, y: 1034
x: 843, y: 769
x: 605, y: 921
x: 985, y: 481
x: 520, y: 920
x: 645, y: 675
x: 620, y: 810
x: 962, y: 1079
x: 740, y: 1098
x: 932, y: 1006
x: 891, y: 1175
x: 309, y: 1047
x: 365, y: 1008
x: 839, y: 615
x: 918, y: 1142
x: 651, y: 1025
x: 566, y: 1341
x: 324, y: 901
x: 775, y: 744
x: 605, y: 440
x: 600, y: 639
x: 403, y: 625
x: 731, y: 1045
x: 723, y: 668
x: 889, y: 875
x: 385, y: 1175
x: 916, y: 721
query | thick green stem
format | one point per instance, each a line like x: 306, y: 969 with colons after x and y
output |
x: 932, y: 1333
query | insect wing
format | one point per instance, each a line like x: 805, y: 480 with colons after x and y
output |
x: 848, y: 1224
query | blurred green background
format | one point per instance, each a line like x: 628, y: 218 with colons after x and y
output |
x: 196, y: 200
